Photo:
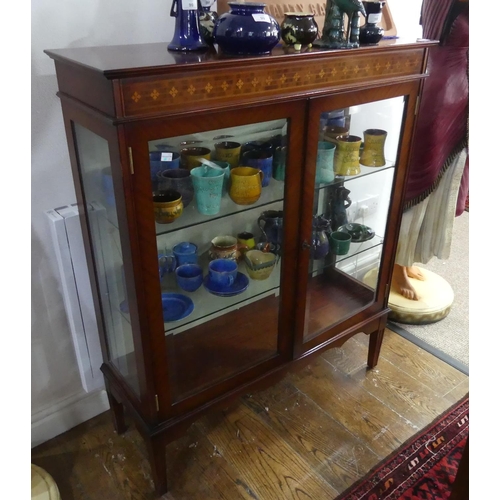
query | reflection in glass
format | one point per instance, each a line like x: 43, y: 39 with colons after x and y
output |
x: 93, y: 157
x: 350, y: 209
x: 229, y: 323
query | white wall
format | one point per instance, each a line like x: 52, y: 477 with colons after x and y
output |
x: 58, y: 401
x: 55, y: 381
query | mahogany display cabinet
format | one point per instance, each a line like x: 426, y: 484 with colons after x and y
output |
x: 130, y: 114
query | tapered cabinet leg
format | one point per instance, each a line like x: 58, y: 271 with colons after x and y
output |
x: 375, y: 345
x: 117, y: 412
x: 157, y: 459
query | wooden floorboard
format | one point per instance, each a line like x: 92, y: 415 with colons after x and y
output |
x: 310, y: 436
x: 380, y: 426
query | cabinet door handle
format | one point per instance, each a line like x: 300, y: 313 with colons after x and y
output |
x: 131, y: 161
x: 305, y: 245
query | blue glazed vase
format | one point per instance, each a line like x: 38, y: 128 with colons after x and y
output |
x: 246, y: 30
x: 270, y: 223
x: 262, y: 160
x: 187, y: 36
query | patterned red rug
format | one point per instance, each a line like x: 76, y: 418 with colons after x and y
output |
x: 422, y: 468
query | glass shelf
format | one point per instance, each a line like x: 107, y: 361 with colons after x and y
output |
x: 208, y: 306
x: 361, y: 247
x: 272, y: 193
x: 355, y: 250
x: 365, y: 171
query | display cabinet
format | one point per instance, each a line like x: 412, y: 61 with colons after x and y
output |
x: 240, y: 214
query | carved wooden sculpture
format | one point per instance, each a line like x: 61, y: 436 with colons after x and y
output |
x: 334, y: 36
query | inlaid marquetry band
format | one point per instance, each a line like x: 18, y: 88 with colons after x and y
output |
x: 155, y: 94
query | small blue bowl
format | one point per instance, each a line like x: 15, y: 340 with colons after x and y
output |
x: 189, y: 277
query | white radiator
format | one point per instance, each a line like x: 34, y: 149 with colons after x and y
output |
x: 77, y: 293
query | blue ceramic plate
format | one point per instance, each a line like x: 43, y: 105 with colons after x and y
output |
x: 239, y: 286
x: 176, y: 306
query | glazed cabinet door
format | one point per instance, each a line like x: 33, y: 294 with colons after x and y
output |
x: 357, y: 150
x: 217, y: 198
x: 102, y: 182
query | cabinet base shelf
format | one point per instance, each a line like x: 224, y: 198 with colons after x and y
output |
x: 333, y: 296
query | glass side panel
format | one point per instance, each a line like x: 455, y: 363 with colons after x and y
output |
x: 219, y: 259
x: 355, y: 162
x: 94, y: 160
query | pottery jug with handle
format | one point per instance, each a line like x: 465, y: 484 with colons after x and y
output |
x: 270, y: 223
x: 246, y: 185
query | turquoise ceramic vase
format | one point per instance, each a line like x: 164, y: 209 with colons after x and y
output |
x: 208, y: 184
x: 324, y: 163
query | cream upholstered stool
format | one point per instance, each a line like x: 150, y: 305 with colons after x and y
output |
x: 434, y: 304
x: 43, y: 487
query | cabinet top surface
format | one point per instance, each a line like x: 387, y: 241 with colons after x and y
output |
x: 118, y: 61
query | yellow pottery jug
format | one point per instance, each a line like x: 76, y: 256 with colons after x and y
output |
x: 246, y: 185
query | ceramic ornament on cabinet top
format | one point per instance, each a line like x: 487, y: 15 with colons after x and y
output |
x: 246, y: 30
x: 299, y: 29
x: 187, y: 36
x: 335, y: 36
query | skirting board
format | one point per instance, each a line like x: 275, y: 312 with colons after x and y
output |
x: 429, y: 348
x: 66, y: 414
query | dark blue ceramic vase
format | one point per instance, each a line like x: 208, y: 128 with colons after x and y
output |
x: 246, y: 30
x: 320, y: 244
x: 270, y: 223
x: 262, y: 160
x: 187, y: 36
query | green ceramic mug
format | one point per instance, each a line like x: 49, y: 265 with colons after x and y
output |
x: 339, y: 242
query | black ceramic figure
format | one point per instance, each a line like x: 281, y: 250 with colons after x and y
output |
x: 299, y: 29
x: 246, y: 30
x: 333, y: 36
x: 339, y: 203
x: 187, y: 36
x: 207, y: 19
x: 370, y: 33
